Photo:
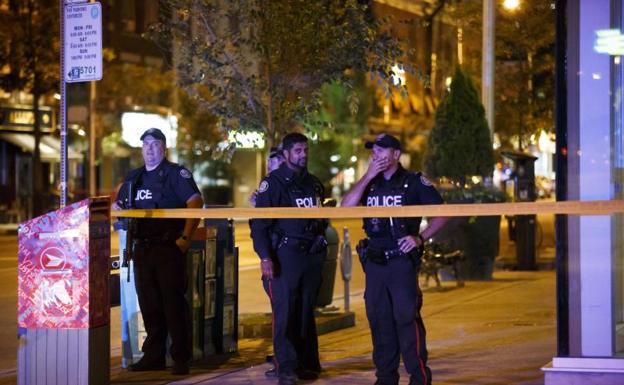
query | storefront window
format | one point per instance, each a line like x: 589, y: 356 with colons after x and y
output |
x: 617, y: 176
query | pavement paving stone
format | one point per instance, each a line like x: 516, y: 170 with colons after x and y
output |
x: 488, y: 332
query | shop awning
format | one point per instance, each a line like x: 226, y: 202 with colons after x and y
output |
x: 49, y: 147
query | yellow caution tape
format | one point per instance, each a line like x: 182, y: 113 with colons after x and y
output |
x: 446, y: 210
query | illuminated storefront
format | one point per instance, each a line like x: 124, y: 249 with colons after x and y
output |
x: 17, y: 144
x: 590, y: 253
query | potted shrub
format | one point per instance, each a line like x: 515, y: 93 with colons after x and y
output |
x: 459, y: 150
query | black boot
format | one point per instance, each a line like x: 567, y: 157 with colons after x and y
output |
x: 287, y: 379
x: 147, y: 364
x: 180, y: 368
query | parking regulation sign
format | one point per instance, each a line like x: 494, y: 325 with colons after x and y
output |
x: 83, y: 42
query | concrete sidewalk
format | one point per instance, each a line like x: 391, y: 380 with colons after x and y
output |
x: 493, y: 332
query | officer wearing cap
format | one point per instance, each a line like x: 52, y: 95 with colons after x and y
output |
x: 391, y: 262
x: 158, y: 252
x: 291, y: 253
x: 275, y: 159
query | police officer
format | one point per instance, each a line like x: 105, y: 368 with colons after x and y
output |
x: 392, y: 296
x: 291, y: 257
x: 276, y: 158
x: 159, y: 250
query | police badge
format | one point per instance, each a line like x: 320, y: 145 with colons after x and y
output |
x: 375, y: 222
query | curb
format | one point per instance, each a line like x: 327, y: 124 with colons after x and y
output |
x: 511, y: 264
x: 259, y: 325
x: 8, y: 230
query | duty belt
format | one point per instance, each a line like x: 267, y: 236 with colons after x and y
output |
x: 383, y: 256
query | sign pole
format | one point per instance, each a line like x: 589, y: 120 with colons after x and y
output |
x: 81, y: 61
x: 63, y: 110
x: 92, y: 141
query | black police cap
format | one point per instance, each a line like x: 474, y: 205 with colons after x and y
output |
x: 275, y: 152
x: 385, y: 141
x: 154, y: 133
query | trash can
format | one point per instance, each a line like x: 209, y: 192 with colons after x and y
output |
x: 525, y: 242
x: 523, y: 225
x: 326, y: 291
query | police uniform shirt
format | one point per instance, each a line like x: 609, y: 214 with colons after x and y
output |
x: 404, y: 188
x: 284, y: 187
x: 167, y: 186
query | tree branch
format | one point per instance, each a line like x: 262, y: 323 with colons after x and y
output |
x: 249, y: 93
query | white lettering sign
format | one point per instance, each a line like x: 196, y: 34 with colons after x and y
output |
x: 143, y: 195
x: 83, y: 42
x: 305, y: 202
x: 386, y: 200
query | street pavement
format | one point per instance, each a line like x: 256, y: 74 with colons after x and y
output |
x: 495, y: 332
x: 490, y: 332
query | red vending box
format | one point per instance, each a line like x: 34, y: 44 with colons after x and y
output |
x: 63, y: 295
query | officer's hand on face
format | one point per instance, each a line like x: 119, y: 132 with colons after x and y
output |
x: 183, y: 244
x: 377, y: 165
x: 408, y: 243
x: 266, y: 266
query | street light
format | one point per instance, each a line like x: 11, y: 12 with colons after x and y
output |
x: 487, y: 66
x: 487, y: 63
x: 511, y: 5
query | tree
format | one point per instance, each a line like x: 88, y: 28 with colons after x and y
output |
x: 459, y: 143
x: 198, y: 135
x: 525, y: 62
x: 338, y: 126
x: 29, y: 50
x: 525, y: 85
x: 264, y: 61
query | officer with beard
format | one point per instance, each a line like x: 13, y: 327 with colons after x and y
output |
x: 291, y: 255
x: 391, y: 259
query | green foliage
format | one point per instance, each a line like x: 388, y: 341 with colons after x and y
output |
x: 338, y: 125
x: 197, y: 134
x: 459, y: 143
x: 475, y: 194
x: 319, y: 162
x: 264, y: 62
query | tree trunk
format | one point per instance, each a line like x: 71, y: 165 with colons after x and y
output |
x: 37, y: 177
x: 270, y: 136
x: 429, y: 18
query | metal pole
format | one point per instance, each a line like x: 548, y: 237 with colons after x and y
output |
x: 92, y: 181
x: 63, y: 109
x: 92, y: 96
x: 345, y: 266
x: 487, y: 66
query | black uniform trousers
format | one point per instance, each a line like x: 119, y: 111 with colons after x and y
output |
x: 393, y: 301
x: 293, y: 293
x: 161, y: 281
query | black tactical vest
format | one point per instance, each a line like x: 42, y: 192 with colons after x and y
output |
x: 162, y: 196
x: 390, y: 194
x: 303, y: 194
